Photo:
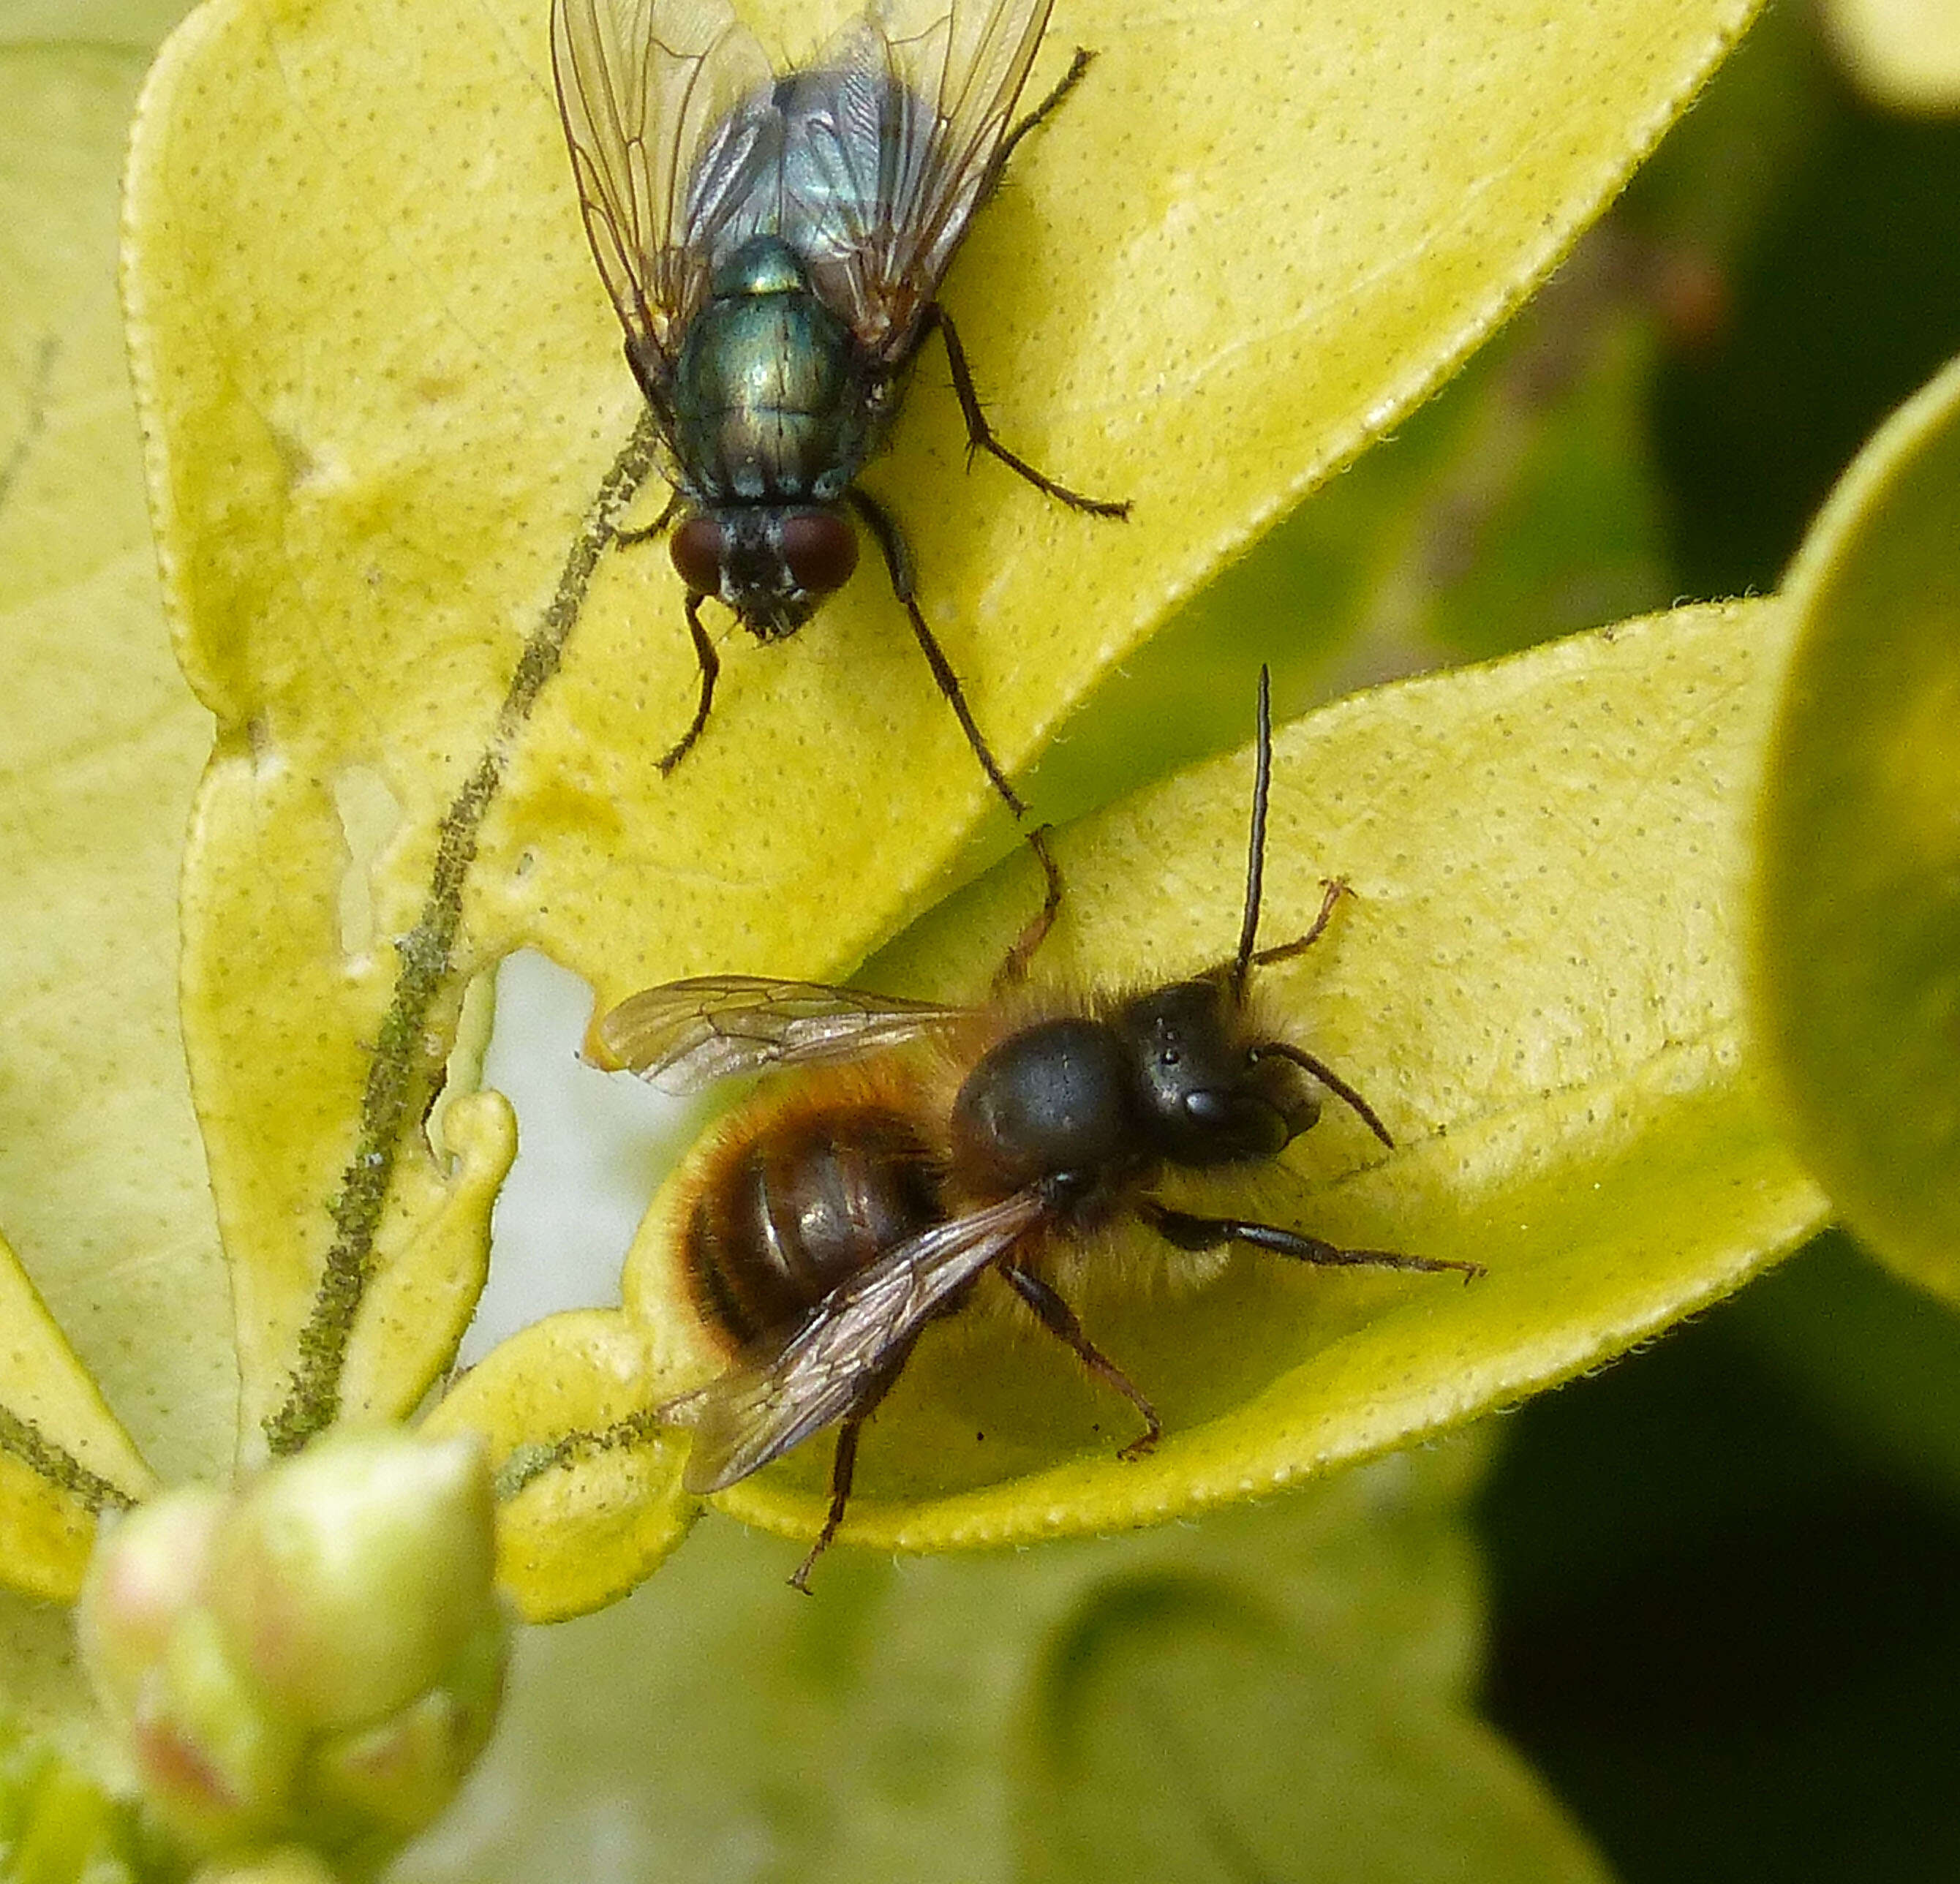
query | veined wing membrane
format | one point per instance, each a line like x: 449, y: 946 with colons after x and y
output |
x: 644, y: 86
x: 890, y: 149
x: 758, y: 1412
x: 684, y: 1036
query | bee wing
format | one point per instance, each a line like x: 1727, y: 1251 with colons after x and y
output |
x: 890, y: 144
x: 760, y: 1409
x: 651, y: 93
x: 684, y: 1036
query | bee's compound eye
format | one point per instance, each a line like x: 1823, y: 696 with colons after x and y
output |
x: 819, y: 550
x: 697, y: 547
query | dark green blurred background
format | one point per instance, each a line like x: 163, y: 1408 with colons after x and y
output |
x: 1726, y: 1572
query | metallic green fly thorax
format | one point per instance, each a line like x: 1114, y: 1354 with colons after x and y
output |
x: 769, y: 394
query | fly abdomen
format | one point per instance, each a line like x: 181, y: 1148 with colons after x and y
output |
x: 787, y: 1214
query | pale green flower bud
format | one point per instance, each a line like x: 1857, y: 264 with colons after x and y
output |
x: 147, y: 1568
x: 400, y: 1773
x: 350, y: 1577
x: 315, y: 1662
x: 217, y: 1763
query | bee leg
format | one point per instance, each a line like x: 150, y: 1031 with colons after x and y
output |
x: 710, y: 664
x: 1015, y: 965
x: 844, y: 1461
x: 1070, y: 80
x: 1060, y: 1320
x: 898, y: 564
x: 980, y: 434
x: 629, y: 538
x: 1186, y: 1232
x: 1332, y: 889
x: 843, y: 1468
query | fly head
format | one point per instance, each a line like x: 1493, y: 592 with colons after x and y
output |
x: 772, y: 566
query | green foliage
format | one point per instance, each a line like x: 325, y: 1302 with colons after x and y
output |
x: 58, y: 1825
x: 1289, y: 1682
x: 381, y: 392
x: 1858, y: 927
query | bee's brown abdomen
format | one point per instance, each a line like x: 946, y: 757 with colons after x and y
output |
x: 790, y: 1211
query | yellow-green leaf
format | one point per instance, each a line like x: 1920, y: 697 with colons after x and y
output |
x: 550, y: 1402
x: 101, y: 1177
x: 1858, y: 927
x: 383, y: 387
x: 1182, y: 1730
x: 102, y: 1190
x: 63, y: 1458
x: 1536, y: 984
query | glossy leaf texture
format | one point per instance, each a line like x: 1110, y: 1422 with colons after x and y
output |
x: 1536, y: 983
x: 1857, y: 934
x: 382, y: 387
x: 961, y: 1706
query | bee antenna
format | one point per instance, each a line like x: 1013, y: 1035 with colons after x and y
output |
x: 1255, y: 860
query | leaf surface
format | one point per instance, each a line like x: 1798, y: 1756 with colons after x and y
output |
x: 112, y: 1286
x: 383, y: 387
x: 1857, y: 937
x: 1537, y: 984
x: 914, y: 1711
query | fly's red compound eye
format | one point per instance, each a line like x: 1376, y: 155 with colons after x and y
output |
x: 697, y: 548
x: 820, y: 549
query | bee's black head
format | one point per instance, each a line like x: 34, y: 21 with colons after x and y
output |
x: 1206, y: 1092
x: 772, y: 566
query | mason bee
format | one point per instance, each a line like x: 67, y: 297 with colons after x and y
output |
x: 836, y: 1214
x: 774, y: 245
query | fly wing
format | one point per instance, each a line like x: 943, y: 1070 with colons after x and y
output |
x: 890, y: 144
x: 684, y: 1036
x: 652, y: 94
x: 757, y: 1411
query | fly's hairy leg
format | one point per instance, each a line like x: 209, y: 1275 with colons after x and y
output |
x: 898, y: 563
x: 980, y: 432
x: 648, y: 533
x: 1078, y: 66
x: 710, y: 664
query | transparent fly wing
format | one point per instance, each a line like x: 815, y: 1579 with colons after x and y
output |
x: 890, y: 144
x: 684, y: 1036
x: 759, y: 1410
x: 650, y: 92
